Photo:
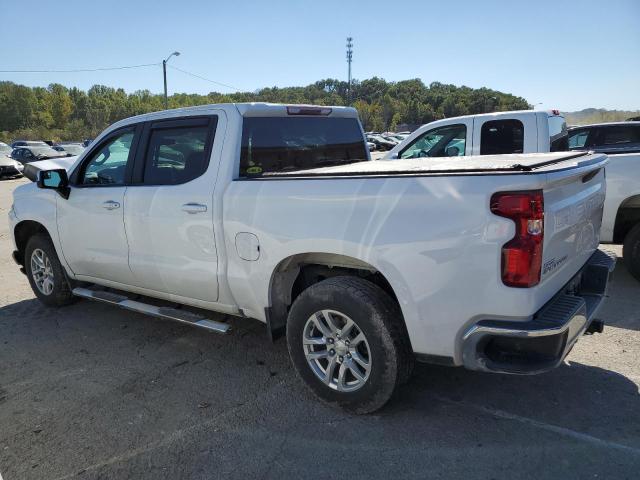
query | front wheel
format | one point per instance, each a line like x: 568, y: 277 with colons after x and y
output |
x: 631, y: 251
x: 347, y: 342
x: 45, y: 273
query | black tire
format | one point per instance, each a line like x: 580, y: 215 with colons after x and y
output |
x: 378, y: 317
x: 61, y: 294
x: 631, y: 251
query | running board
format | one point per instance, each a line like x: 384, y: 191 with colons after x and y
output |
x: 168, y: 313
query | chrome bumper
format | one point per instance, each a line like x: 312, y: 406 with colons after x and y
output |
x: 543, y: 342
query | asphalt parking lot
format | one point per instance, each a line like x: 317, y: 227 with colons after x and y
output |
x: 93, y: 392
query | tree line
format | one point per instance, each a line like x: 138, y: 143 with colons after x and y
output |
x: 61, y: 113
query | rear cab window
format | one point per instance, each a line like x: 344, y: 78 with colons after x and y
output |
x: 499, y: 137
x: 279, y: 144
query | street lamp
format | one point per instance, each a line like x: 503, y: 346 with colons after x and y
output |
x: 164, y: 73
x: 533, y: 106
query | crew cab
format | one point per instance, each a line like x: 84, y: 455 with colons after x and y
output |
x: 621, y: 219
x: 276, y: 213
x: 525, y: 131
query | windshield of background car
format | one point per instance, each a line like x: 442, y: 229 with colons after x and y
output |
x: 280, y: 144
x: 45, y: 152
x: 73, y: 149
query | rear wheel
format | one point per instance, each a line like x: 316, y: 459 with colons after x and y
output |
x: 347, y: 342
x: 46, y: 274
x: 631, y: 251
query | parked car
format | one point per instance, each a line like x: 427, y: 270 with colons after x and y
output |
x: 70, y: 148
x: 380, y: 142
x: 391, y: 138
x: 276, y: 213
x: 621, y: 221
x: 33, y: 153
x: 28, y: 143
x: 8, y: 166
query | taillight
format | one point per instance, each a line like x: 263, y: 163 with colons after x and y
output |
x: 522, y: 255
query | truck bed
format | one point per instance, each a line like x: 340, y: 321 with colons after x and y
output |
x: 538, y: 162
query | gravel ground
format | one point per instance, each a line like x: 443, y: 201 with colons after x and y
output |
x: 94, y: 392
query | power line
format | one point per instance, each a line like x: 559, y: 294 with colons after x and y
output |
x: 205, y: 79
x: 77, y: 70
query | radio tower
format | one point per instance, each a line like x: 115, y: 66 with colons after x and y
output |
x: 349, y: 58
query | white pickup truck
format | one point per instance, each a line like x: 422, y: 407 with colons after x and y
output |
x: 276, y: 213
x: 530, y: 131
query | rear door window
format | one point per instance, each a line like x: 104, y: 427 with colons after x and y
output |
x: 280, y: 144
x: 619, y: 136
x: 446, y: 141
x: 178, y: 151
x: 499, y: 137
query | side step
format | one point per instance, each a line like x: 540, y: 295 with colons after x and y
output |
x: 168, y: 313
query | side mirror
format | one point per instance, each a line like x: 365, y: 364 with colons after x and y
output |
x: 54, y: 180
x: 394, y: 156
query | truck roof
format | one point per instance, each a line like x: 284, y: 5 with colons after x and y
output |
x: 255, y: 109
x: 606, y: 124
x: 550, y: 113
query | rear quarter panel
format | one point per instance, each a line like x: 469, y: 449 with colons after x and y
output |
x: 433, y: 238
x: 623, y: 182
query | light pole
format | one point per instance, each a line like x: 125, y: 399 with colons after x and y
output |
x: 534, y: 105
x: 349, y: 59
x: 164, y: 74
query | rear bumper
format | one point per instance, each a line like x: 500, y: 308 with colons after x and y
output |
x: 543, y: 342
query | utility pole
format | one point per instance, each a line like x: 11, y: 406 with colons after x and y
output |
x: 349, y: 58
x: 164, y: 75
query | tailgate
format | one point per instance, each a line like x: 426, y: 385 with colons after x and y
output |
x: 573, y: 206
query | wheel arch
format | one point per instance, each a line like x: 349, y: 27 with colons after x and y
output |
x: 23, y: 231
x: 297, y: 272
x: 627, y: 216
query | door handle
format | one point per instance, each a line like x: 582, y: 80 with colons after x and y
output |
x: 194, y: 207
x: 110, y: 205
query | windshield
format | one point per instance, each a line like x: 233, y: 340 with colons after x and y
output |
x: 46, y: 152
x: 5, y: 149
x: 73, y: 149
x: 279, y: 144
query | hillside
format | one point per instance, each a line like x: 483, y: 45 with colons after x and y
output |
x: 598, y: 115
